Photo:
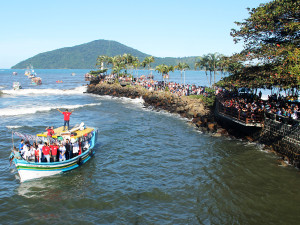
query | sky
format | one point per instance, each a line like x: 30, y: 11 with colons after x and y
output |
x: 162, y: 28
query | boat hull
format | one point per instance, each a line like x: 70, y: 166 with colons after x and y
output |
x: 31, y: 170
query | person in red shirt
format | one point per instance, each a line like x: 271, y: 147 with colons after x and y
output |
x: 67, y: 115
x: 50, y: 133
x: 36, y: 152
x: 46, y: 151
x: 53, y: 149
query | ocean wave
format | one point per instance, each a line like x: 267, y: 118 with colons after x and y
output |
x: 32, y: 110
x: 44, y: 92
x: 13, y: 127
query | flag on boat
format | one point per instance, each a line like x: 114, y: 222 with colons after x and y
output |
x: 29, y: 137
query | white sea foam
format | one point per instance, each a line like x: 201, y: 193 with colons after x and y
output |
x: 43, y: 92
x: 32, y: 110
x: 13, y: 127
x: 137, y: 101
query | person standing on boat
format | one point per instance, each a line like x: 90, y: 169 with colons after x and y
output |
x: 50, y: 133
x: 67, y: 115
x: 37, y: 154
x: 68, y: 150
x: 21, y: 145
x: 46, y: 151
x: 53, y: 149
x: 62, y: 152
x: 40, y: 148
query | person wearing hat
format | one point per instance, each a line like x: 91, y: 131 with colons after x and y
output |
x: 67, y: 115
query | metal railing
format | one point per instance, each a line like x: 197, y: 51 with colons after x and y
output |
x: 242, y: 116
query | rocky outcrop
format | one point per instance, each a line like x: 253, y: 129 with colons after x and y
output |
x: 193, y: 109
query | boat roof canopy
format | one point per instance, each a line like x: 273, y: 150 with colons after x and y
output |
x: 60, y: 132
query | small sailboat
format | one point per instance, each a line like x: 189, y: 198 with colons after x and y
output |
x: 73, y: 74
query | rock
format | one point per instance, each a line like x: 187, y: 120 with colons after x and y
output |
x: 249, y: 138
x: 211, y: 126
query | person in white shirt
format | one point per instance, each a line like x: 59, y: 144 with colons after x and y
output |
x: 86, y: 146
x: 62, y: 152
x: 75, y: 148
x: 25, y: 152
x: 40, y: 147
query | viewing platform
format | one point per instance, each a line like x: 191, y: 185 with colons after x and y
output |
x: 248, y: 119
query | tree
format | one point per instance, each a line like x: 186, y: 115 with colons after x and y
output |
x: 127, y: 59
x: 271, y: 45
x: 136, y: 64
x: 168, y: 70
x: 213, y: 62
x: 182, y: 66
x: 202, y: 64
x: 161, y: 69
x: 147, y: 61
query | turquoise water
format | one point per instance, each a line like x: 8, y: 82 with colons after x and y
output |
x: 150, y: 167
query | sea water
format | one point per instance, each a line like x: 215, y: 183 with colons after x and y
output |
x: 150, y: 166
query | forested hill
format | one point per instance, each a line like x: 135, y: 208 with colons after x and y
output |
x: 84, y: 56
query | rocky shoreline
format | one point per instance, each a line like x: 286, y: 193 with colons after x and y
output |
x: 202, y: 117
x: 193, y: 109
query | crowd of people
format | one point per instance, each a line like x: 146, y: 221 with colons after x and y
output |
x: 254, y: 106
x: 173, y: 87
x: 247, y: 104
x: 53, y: 152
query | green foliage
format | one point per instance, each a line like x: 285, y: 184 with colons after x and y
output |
x: 85, y: 55
x: 271, y: 47
x: 211, y: 63
x: 97, y: 72
x: 208, y: 101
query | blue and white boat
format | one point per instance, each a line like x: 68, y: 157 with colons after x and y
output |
x: 29, y: 170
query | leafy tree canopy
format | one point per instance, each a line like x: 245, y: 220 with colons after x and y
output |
x: 271, y: 37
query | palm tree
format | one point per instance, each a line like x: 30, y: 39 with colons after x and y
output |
x: 136, y: 64
x: 213, y: 61
x: 127, y: 59
x: 101, y: 60
x: 202, y: 63
x: 168, y: 69
x: 182, y: 66
x: 117, y: 64
x: 223, y: 64
x: 162, y: 69
x: 147, y: 61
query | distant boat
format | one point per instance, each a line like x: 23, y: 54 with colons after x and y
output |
x: 30, y: 72
x: 15, y: 73
x: 73, y: 74
x: 17, y: 86
x: 36, y: 81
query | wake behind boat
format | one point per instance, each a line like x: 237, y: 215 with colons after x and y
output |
x: 83, y: 137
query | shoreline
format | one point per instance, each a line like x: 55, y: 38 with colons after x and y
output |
x: 201, y: 117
